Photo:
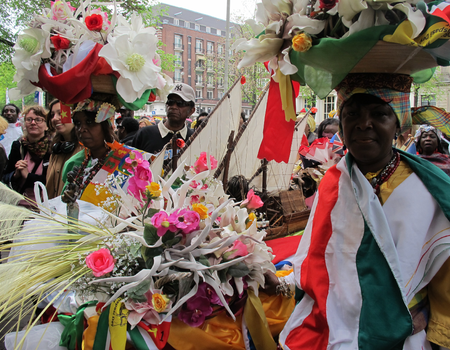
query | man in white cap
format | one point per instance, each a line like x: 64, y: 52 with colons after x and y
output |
x: 180, y: 105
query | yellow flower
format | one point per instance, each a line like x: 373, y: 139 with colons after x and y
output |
x: 159, y: 302
x: 201, y: 210
x: 251, y: 218
x: 302, y: 42
x: 154, y: 189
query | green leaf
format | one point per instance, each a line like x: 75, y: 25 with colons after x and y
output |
x: 150, y: 253
x: 137, y: 293
x: 150, y: 234
x: 238, y: 270
x: 223, y: 275
x: 168, y: 236
x: 173, y: 241
x: 151, y: 212
x: 204, y: 260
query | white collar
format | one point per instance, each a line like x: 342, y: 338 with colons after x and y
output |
x: 164, y: 131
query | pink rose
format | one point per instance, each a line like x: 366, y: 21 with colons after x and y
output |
x: 238, y: 249
x: 100, y: 262
x: 253, y: 201
x: 185, y: 220
x: 58, y: 10
x: 202, y: 163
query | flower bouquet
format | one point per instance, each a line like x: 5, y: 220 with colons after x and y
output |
x: 179, y: 248
x: 318, y: 42
x: 83, y: 48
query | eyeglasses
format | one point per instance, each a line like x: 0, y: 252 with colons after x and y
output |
x: 179, y: 103
x: 36, y: 120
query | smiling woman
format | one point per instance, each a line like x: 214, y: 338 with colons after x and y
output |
x: 28, y: 160
x: 367, y: 222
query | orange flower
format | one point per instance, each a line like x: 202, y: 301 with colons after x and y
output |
x: 159, y: 302
x: 251, y: 218
x: 201, y: 210
x: 302, y: 42
x: 154, y: 189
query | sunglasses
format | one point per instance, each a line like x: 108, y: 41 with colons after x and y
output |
x: 179, y: 103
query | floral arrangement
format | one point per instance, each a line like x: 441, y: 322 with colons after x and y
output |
x: 179, y: 248
x: 332, y: 36
x: 63, y: 40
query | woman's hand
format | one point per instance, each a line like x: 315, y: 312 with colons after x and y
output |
x: 21, y: 169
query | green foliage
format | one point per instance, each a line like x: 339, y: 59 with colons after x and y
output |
x: 150, y: 234
x: 431, y: 90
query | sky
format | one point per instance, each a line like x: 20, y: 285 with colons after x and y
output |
x: 218, y: 8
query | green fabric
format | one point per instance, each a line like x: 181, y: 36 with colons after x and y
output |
x: 329, y: 60
x: 137, y: 339
x: 423, y: 76
x: 75, y: 160
x: 137, y: 104
x: 72, y: 335
x: 381, y: 300
x: 102, y: 330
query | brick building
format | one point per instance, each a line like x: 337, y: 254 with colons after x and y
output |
x: 198, y: 42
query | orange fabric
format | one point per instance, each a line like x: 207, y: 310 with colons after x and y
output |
x: 89, y: 333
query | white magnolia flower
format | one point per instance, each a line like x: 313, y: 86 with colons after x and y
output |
x: 164, y: 87
x: 32, y: 45
x: 349, y: 8
x: 132, y: 27
x: 132, y: 56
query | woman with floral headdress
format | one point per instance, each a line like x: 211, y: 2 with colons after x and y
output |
x: 92, y: 123
x: 372, y: 268
x: 429, y: 147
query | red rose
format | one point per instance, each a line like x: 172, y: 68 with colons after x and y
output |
x: 94, y: 22
x: 180, y: 143
x: 327, y: 4
x: 59, y: 42
x: 243, y: 80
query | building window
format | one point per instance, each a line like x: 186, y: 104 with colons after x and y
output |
x: 177, y: 76
x: 197, y: 26
x: 181, y: 23
x: 192, y: 25
x: 209, y: 95
x: 224, y: 33
x: 213, y: 31
x: 209, y: 47
x: 210, y: 79
x: 198, y: 46
x: 328, y: 106
x: 198, y: 93
x: 220, y: 81
x: 220, y: 94
x: 208, y: 29
x: 220, y: 49
x: 203, y: 28
x: 178, y: 59
x: 199, y: 78
x: 428, y: 100
x: 178, y: 43
x: 176, y: 21
x: 187, y: 24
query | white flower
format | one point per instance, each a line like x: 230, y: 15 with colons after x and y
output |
x: 349, y: 8
x: 164, y: 87
x: 32, y: 45
x: 132, y: 28
x: 132, y: 56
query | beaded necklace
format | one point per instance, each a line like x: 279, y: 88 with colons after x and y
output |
x: 79, y: 180
x: 386, y: 173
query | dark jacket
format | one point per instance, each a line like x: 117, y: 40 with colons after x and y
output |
x: 18, y: 152
x: 128, y: 140
x: 149, y: 139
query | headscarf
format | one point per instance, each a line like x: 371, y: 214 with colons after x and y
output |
x: 105, y: 110
x: 426, y: 128
x: 393, y: 89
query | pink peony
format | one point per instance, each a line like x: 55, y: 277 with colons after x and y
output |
x: 100, y: 262
x: 58, y: 10
x: 161, y: 221
x: 195, y: 311
x: 201, y: 163
x: 185, y: 220
x: 253, y: 201
x: 139, y: 181
x: 135, y: 158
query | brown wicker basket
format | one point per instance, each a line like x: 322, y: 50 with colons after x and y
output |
x: 393, y: 58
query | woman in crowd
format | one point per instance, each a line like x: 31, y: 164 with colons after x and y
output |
x: 29, y: 157
x: 3, y: 157
x: 65, y: 145
x: 328, y: 128
x: 372, y: 269
x: 429, y: 147
x: 92, y: 124
x: 144, y: 121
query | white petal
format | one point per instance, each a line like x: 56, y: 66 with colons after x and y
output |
x: 125, y: 89
x: 260, y: 51
x: 286, y: 67
x: 416, y: 18
x: 304, y: 23
x: 349, y: 8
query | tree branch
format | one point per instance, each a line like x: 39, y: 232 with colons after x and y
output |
x: 6, y: 42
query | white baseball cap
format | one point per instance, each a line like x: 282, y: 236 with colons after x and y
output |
x: 185, y: 91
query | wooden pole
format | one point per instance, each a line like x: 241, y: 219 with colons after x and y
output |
x: 230, y: 149
x: 264, y: 169
x: 174, y: 152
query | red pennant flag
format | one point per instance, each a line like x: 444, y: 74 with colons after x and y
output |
x: 158, y: 333
x: 66, y: 116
